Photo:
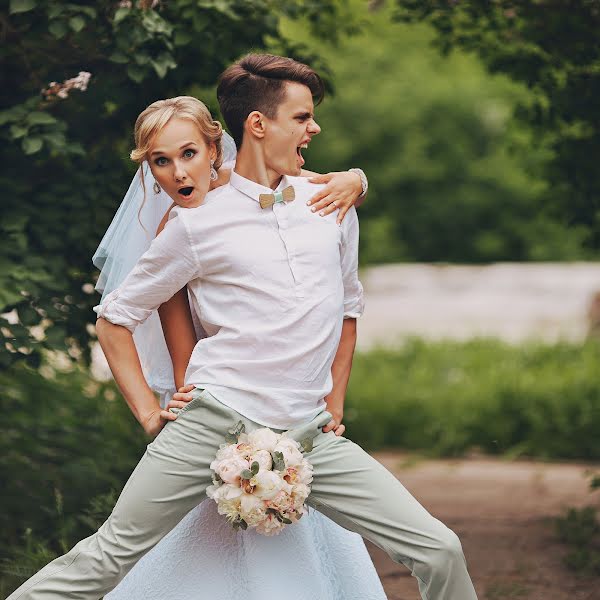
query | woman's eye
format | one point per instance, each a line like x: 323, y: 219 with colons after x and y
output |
x: 189, y: 153
x: 161, y: 161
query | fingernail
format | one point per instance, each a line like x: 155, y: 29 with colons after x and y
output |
x: 313, y: 209
x: 308, y: 203
x: 322, y: 214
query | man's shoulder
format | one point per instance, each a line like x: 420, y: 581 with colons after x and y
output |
x: 303, y: 184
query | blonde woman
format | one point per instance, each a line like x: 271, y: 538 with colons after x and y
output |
x: 203, y: 557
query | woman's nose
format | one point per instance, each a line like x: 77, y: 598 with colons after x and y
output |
x: 179, y: 172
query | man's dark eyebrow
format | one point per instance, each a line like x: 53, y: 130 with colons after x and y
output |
x: 182, y: 147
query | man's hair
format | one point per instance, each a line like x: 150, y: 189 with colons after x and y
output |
x: 257, y: 82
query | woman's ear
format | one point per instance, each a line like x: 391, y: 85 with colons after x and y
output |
x: 255, y: 124
x: 212, y: 151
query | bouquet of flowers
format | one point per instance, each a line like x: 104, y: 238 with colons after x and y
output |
x: 261, y: 479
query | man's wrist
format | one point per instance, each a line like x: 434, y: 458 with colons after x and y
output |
x: 335, y: 404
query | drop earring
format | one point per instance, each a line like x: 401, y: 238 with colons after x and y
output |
x: 213, y: 172
x: 156, y: 188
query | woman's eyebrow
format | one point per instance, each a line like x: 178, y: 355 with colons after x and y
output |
x: 181, y: 148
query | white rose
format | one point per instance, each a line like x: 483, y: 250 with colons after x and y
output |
x: 252, y: 509
x: 300, y: 492
x: 226, y: 452
x: 229, y: 508
x: 304, y: 473
x: 263, y: 458
x: 268, y: 484
x: 290, y: 450
x: 269, y: 526
x: 229, y: 469
x: 263, y: 439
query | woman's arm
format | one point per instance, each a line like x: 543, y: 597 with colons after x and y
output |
x: 178, y: 326
x: 343, y: 190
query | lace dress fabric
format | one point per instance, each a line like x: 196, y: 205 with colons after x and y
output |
x: 203, y: 558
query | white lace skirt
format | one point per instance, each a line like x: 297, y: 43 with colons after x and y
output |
x: 203, y: 558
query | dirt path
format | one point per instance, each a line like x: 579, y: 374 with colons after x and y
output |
x: 502, y: 512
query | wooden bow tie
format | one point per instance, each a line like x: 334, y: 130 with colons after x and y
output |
x: 286, y: 195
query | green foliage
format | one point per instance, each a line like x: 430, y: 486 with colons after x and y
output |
x: 66, y: 442
x: 65, y: 147
x: 446, y: 398
x: 579, y: 529
x: 453, y: 176
x: 552, y: 47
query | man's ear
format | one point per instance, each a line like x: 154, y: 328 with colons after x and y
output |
x: 255, y: 124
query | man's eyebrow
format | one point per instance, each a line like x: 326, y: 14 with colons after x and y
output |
x: 181, y: 148
x: 307, y: 114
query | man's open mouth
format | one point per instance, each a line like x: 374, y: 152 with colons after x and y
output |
x: 186, y: 191
x: 299, y: 151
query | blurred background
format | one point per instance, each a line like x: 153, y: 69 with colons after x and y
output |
x: 478, y: 125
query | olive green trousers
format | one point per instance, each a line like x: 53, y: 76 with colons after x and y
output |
x: 349, y: 486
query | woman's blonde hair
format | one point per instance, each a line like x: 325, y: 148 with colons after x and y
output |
x: 152, y: 120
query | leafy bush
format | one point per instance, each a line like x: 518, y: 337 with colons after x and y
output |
x: 68, y: 444
x: 445, y: 398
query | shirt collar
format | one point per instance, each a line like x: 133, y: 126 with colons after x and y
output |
x: 251, y: 188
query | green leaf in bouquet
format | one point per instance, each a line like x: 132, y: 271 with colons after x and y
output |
x: 255, y: 467
x: 234, y: 433
x: 307, y: 444
x: 278, y: 461
x: 286, y: 521
x: 243, y: 524
x: 246, y: 474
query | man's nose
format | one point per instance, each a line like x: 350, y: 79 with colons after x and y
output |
x: 314, y: 127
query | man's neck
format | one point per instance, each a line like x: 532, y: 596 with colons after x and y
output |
x: 250, y: 164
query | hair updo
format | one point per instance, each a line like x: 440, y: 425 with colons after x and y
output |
x: 151, y: 121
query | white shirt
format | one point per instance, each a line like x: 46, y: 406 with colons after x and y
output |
x: 270, y: 287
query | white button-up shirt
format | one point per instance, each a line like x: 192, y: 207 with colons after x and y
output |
x: 270, y: 287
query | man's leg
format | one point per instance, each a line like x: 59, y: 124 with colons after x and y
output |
x: 168, y: 482
x: 357, y: 492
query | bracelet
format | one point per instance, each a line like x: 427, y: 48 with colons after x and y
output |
x: 364, y: 182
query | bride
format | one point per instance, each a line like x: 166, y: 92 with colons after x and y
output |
x: 203, y: 557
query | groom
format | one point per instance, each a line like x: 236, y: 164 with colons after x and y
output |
x: 277, y: 291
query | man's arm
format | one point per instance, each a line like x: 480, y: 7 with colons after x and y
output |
x: 340, y: 372
x: 353, y: 308
x: 167, y: 266
x: 118, y: 347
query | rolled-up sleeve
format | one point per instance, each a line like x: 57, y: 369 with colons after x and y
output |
x: 167, y: 266
x: 354, y: 304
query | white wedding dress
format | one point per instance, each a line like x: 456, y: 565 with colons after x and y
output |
x: 203, y: 558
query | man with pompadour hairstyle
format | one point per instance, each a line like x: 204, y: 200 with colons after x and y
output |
x: 278, y: 294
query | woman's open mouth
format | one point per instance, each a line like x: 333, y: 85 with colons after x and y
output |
x: 186, y: 191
